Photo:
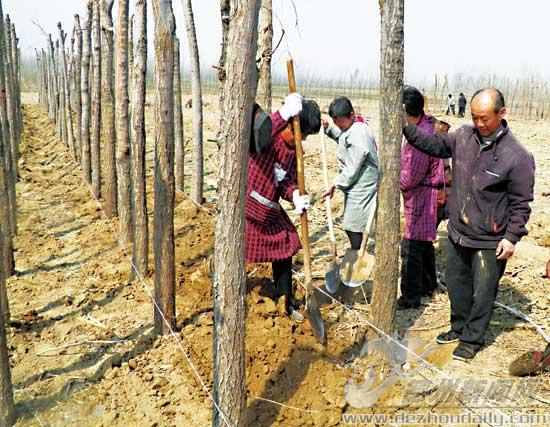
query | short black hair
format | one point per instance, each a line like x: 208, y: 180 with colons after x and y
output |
x: 310, y: 117
x: 413, y: 101
x: 340, y: 108
x: 498, y: 97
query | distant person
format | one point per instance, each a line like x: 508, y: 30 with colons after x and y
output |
x: 358, y: 164
x: 493, y: 180
x: 421, y: 178
x: 450, y: 105
x: 462, y: 105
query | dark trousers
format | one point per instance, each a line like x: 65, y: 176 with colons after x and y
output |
x: 461, y: 111
x: 355, y: 239
x: 282, y: 276
x: 417, y: 269
x: 472, y: 278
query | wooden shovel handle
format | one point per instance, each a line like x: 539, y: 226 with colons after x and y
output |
x: 328, y: 203
x: 301, y: 178
x: 370, y: 220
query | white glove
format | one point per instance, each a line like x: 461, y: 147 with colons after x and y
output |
x: 301, y: 203
x: 292, y: 106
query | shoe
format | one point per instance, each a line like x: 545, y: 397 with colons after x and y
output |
x: 465, y: 351
x: 447, y: 337
x: 405, y: 304
x: 286, y: 305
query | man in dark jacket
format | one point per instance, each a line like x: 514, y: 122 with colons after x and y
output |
x: 461, y: 105
x: 493, y: 180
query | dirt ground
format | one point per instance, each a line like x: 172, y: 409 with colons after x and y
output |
x: 81, y: 343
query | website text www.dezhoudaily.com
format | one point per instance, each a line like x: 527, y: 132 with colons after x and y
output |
x: 490, y: 417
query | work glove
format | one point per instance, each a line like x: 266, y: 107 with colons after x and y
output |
x: 292, y: 106
x: 301, y: 203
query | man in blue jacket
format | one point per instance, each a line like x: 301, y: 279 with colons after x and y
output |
x: 493, y: 180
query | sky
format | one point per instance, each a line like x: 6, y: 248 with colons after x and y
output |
x: 334, y: 39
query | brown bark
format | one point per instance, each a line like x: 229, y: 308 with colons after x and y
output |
x: 108, y: 110
x: 163, y: 233
x: 265, y: 47
x: 140, y: 252
x: 8, y: 204
x: 229, y: 287
x: 86, y: 107
x: 197, y: 175
x: 7, y: 407
x: 122, y: 125
x: 391, y: 119
x: 96, y: 103
x: 78, y: 85
x: 178, y: 119
x: 68, y: 112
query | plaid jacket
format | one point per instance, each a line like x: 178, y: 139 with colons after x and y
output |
x: 270, y: 235
x: 421, y: 176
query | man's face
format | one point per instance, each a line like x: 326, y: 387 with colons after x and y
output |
x: 344, y: 123
x: 484, y: 117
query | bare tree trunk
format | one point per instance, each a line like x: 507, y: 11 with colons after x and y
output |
x: 78, y: 85
x: 7, y: 407
x: 163, y: 233
x: 391, y: 123
x: 130, y: 66
x: 51, y: 77
x: 62, y: 107
x: 86, y: 107
x: 6, y: 249
x: 96, y: 103
x: 12, y: 107
x: 225, y: 13
x: 197, y: 178
x: 122, y: 125
x: 178, y: 118
x: 229, y: 287
x: 17, y: 78
x: 265, y: 47
x: 8, y: 203
x: 140, y: 252
x: 108, y: 110
x: 69, y: 115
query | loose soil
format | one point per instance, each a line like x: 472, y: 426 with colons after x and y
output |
x: 81, y: 342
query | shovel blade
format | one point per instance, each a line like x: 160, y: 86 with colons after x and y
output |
x: 332, y: 277
x: 315, y: 318
x: 355, y: 270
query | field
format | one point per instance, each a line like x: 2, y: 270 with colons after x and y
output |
x: 81, y: 342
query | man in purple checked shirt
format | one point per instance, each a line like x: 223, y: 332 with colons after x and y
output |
x: 421, y: 177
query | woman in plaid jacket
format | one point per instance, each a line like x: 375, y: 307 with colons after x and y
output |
x: 270, y: 234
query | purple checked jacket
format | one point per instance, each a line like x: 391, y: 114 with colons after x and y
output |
x: 421, y: 177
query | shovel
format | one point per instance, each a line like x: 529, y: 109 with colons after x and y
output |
x: 332, y: 281
x: 358, y: 265
x: 312, y: 306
